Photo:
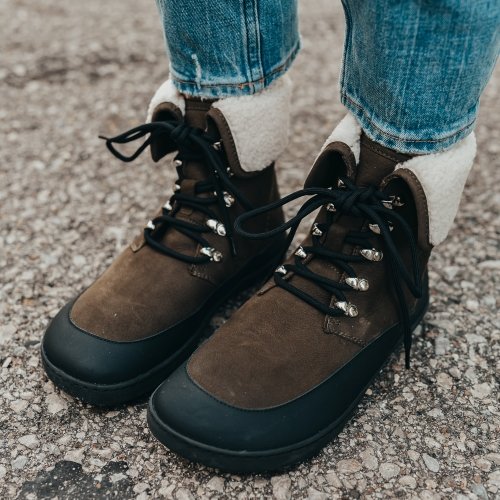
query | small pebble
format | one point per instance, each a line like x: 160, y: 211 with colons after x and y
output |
x: 55, y: 403
x: 494, y: 479
x: 19, y: 462
x: 388, y: 470
x: 444, y: 381
x: 6, y: 333
x: 216, y: 484
x: 409, y: 481
x: 75, y: 455
x: 183, y: 494
x: 489, y: 264
x: 441, y: 345
x: 370, y: 461
x: 30, y: 441
x: 19, y: 405
x: 431, y: 463
x: 281, y: 487
x: 349, y: 466
x: 472, y: 305
x: 140, y: 487
x: 481, y: 391
x: 313, y: 494
x: 480, y: 491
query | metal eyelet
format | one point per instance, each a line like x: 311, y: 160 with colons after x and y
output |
x: 372, y: 254
x: 316, y: 231
x: 150, y: 225
x: 374, y: 228
x: 176, y: 187
x: 214, y: 254
x: 349, y: 309
x: 228, y: 199
x: 217, y: 227
x: 167, y: 206
x: 360, y: 284
x: 330, y: 207
x: 280, y: 270
x: 178, y: 163
x: 300, y: 252
x: 393, y: 201
x: 340, y: 184
x: 217, y: 145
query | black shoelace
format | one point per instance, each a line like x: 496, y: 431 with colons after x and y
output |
x: 368, y: 203
x: 193, y: 144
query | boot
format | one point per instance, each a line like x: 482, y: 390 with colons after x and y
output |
x: 116, y: 341
x: 280, y: 379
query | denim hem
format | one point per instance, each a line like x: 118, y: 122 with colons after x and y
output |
x: 221, y: 90
x: 410, y: 142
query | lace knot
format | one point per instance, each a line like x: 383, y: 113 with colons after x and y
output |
x: 192, y: 143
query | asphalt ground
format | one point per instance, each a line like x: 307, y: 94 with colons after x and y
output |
x: 72, y: 70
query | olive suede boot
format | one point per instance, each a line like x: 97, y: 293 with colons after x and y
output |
x: 280, y: 379
x: 116, y: 341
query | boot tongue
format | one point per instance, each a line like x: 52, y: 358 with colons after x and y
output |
x: 375, y: 162
x: 192, y: 171
x: 196, y: 116
x: 196, y: 112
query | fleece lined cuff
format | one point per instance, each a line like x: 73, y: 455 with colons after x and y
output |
x: 442, y: 175
x: 259, y: 123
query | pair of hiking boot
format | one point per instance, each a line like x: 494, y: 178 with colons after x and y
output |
x: 280, y: 379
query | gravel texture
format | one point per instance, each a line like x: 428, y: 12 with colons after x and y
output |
x: 71, y: 70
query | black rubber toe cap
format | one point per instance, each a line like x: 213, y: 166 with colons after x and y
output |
x: 81, y: 355
x: 197, y: 425
x: 109, y: 373
x: 193, y: 423
x: 188, y: 411
x: 93, y: 359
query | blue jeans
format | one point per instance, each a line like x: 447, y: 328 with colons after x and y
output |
x: 413, y: 70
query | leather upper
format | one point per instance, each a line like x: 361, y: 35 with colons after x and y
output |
x: 145, y: 291
x: 277, y: 347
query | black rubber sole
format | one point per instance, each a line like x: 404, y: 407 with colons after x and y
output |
x: 113, y: 395
x: 135, y: 389
x: 270, y: 460
x: 244, y: 462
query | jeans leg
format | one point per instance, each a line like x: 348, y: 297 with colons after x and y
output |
x: 414, y: 70
x: 222, y: 48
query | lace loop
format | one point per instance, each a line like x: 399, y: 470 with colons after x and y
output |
x: 366, y: 203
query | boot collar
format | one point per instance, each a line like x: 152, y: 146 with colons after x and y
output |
x: 435, y: 180
x: 254, y: 128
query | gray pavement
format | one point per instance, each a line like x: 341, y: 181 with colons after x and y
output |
x: 71, y: 70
